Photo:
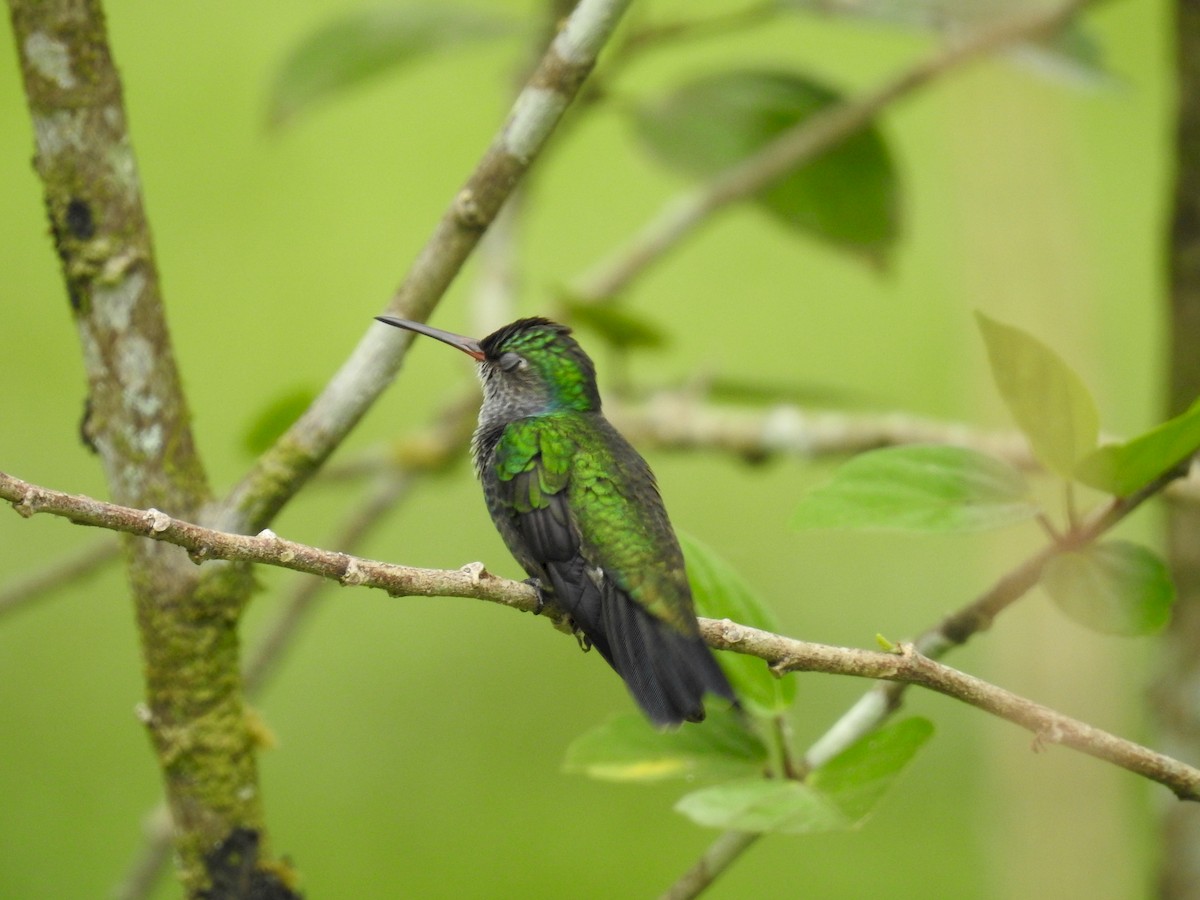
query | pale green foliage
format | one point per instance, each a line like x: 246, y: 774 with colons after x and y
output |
x: 918, y: 488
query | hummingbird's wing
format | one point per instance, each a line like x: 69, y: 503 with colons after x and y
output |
x: 580, y: 510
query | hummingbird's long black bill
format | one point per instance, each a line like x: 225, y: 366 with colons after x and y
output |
x: 467, y: 345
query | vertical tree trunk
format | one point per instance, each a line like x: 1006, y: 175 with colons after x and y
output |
x: 137, y: 421
x: 1178, y: 687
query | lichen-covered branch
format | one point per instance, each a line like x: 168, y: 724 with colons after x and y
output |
x: 137, y: 420
x: 782, y: 653
x: 283, y: 469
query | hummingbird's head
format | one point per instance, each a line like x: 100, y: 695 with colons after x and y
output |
x: 534, y: 366
x: 530, y: 367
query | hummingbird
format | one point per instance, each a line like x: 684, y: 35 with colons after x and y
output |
x: 580, y: 510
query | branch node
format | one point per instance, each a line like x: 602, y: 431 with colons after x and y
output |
x: 781, y: 667
x: 477, y: 572
x: 29, y: 503
x: 158, y: 520
x: 267, y: 535
x: 353, y: 575
x: 731, y: 632
x: 468, y: 212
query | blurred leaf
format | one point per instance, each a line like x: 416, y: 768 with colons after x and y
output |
x: 1115, y: 587
x: 837, y: 796
x: 918, y: 488
x: 858, y: 777
x: 720, y: 593
x: 849, y: 196
x: 763, y: 805
x: 1046, y: 398
x: 1120, y: 469
x: 362, y: 44
x: 275, y: 418
x: 629, y: 749
x: 618, y: 327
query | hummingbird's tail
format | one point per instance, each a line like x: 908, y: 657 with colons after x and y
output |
x: 667, y: 671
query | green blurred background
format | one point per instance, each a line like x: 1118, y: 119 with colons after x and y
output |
x: 420, y: 741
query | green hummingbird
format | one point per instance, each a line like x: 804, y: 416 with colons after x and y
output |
x: 580, y: 510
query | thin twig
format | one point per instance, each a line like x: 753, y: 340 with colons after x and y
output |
x: 712, y: 862
x: 782, y: 653
x: 684, y: 213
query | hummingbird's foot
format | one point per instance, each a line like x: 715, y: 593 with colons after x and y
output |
x: 585, y: 642
x: 536, y: 584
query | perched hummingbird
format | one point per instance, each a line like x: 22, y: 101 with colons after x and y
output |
x: 580, y: 510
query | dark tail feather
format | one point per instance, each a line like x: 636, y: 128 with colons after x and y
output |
x: 581, y: 601
x: 667, y: 672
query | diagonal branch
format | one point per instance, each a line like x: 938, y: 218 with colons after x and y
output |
x: 782, y: 653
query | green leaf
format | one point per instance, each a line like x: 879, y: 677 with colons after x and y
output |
x: 1115, y: 587
x: 857, y: 778
x: 275, y: 418
x: 1121, y: 469
x: 1046, y: 398
x: 618, y: 327
x: 762, y: 805
x: 362, y: 44
x: 849, y: 196
x: 629, y: 749
x: 837, y: 796
x: 720, y: 593
x: 933, y: 488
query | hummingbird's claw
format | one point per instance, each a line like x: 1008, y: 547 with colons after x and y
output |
x: 536, y: 584
x: 585, y: 642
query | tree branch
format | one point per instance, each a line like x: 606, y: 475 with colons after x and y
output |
x: 783, y: 654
